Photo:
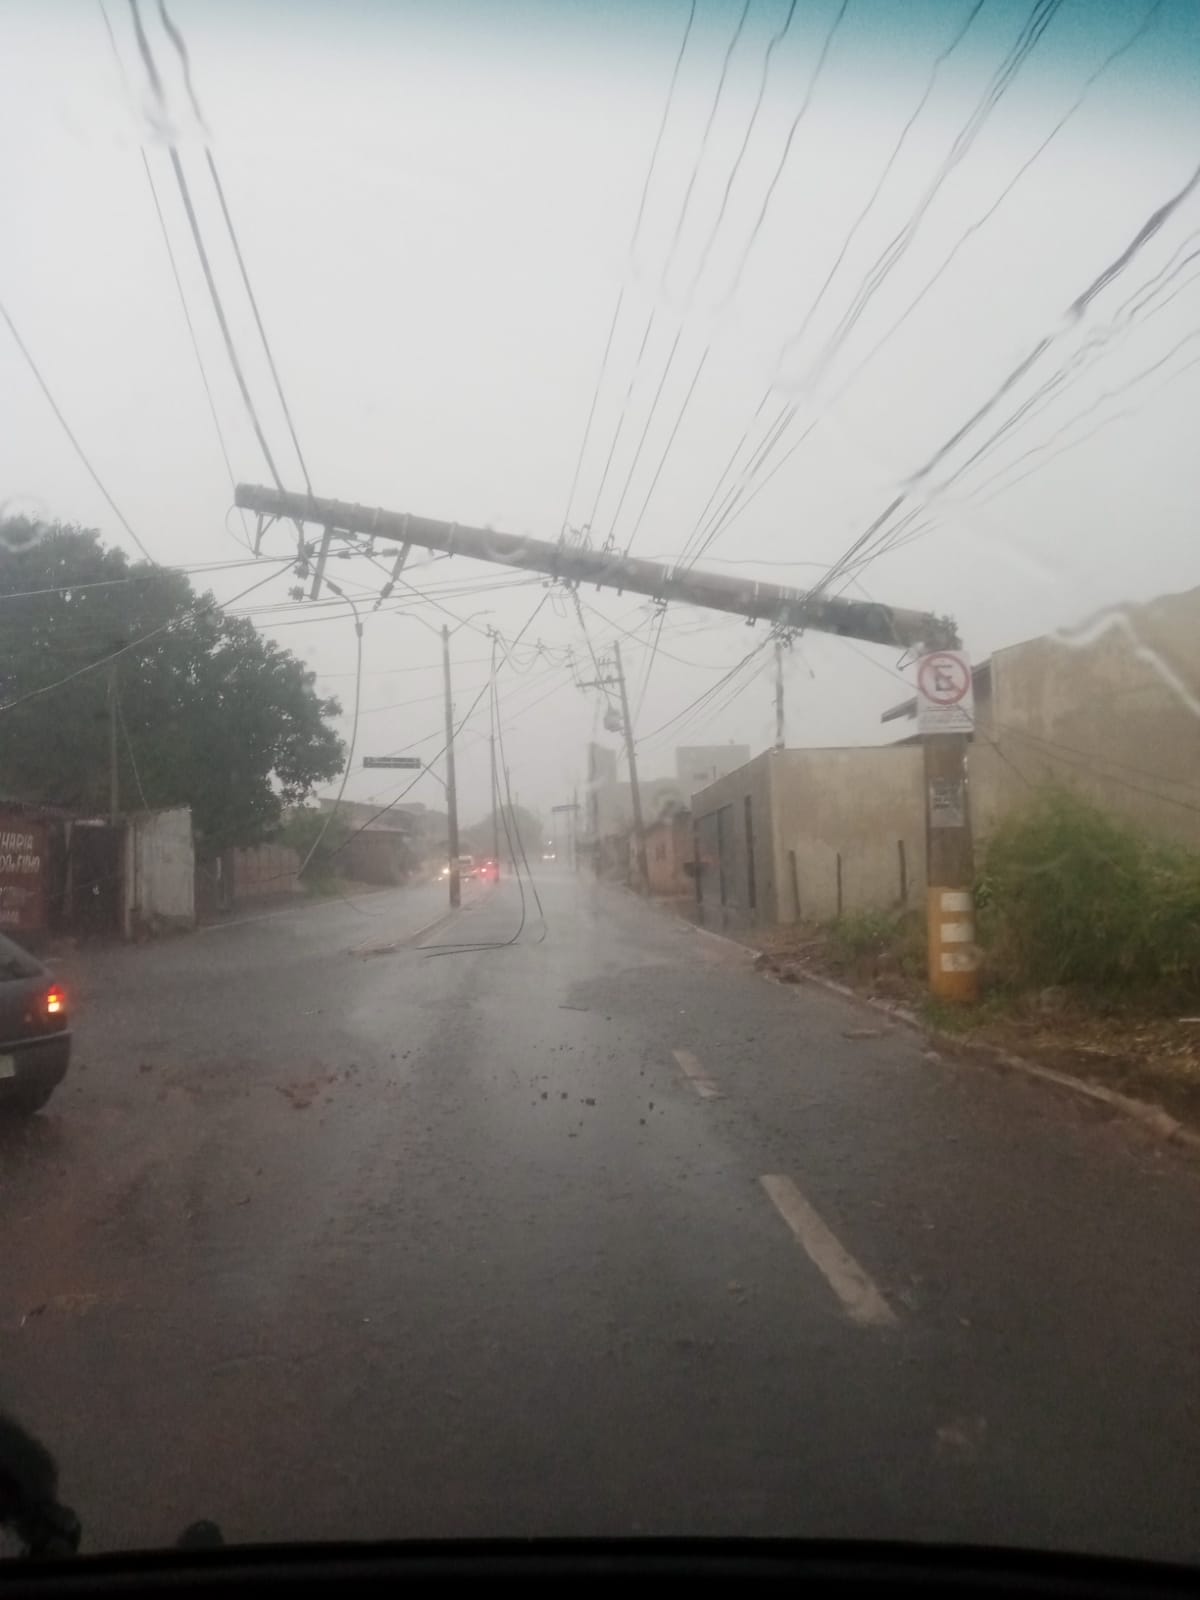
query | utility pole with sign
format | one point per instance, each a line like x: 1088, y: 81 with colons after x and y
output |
x: 945, y: 718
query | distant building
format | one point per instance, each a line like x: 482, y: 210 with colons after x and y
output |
x: 697, y: 765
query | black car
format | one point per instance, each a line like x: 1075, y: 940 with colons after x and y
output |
x: 35, y: 1034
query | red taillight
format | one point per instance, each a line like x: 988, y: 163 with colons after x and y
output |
x: 56, y: 1001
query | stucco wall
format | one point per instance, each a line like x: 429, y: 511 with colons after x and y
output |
x: 160, y: 875
x: 668, y: 846
x: 857, y: 814
x: 1108, y: 716
x: 734, y: 838
x: 864, y: 807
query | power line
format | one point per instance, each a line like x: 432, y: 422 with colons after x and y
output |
x: 132, y: 577
x: 734, y: 40
x: 852, y: 234
x: 67, y: 429
x: 985, y: 216
x: 253, y: 298
x: 1038, y: 19
x: 709, y: 693
x: 736, y: 35
x: 458, y: 729
x: 129, y: 745
x: 166, y: 238
x: 587, y: 429
x: 1073, y: 314
x: 806, y: 102
x: 1131, y: 312
x: 773, y: 44
x: 786, y: 151
x: 134, y: 644
x: 358, y: 658
x: 147, y: 56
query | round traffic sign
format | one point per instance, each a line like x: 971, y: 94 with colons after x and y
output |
x: 943, y: 678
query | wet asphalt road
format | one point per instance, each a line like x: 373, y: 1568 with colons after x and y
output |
x: 326, y: 1235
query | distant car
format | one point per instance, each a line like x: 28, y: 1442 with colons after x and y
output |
x: 489, y: 871
x: 548, y: 855
x: 35, y: 1035
x: 466, y: 867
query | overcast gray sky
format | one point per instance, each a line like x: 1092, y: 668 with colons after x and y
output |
x: 435, y: 203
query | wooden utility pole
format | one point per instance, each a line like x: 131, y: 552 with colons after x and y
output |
x: 639, y: 826
x: 114, y: 790
x: 451, y: 784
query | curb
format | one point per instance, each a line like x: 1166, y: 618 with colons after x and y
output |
x: 1156, y: 1119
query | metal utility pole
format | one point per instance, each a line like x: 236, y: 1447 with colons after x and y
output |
x: 780, y: 739
x: 114, y: 793
x: 639, y: 826
x: 451, y: 785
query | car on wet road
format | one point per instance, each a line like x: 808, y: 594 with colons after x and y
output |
x: 35, y: 1033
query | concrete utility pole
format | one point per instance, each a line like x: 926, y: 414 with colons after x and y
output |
x: 639, y: 826
x: 618, y: 681
x: 950, y: 869
x: 780, y: 739
x: 766, y: 602
x: 451, y: 784
x: 495, y: 812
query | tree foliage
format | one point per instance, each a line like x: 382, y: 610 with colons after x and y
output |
x: 1073, y: 895
x: 211, y: 715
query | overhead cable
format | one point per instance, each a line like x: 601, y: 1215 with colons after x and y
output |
x: 69, y: 431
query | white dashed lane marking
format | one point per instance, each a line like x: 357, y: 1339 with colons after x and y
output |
x: 696, y: 1075
x: 861, y: 1300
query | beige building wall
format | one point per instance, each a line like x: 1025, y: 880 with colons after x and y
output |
x: 806, y: 834
x: 854, y: 816
x: 1113, y: 715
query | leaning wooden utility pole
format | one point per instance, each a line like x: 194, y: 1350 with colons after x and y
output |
x: 451, y: 785
x: 639, y: 826
x: 953, y: 956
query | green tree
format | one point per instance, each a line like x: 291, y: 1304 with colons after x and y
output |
x: 211, y: 715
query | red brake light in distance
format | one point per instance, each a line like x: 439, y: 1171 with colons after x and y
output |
x: 56, y: 1001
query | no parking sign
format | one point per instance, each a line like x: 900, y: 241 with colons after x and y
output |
x: 945, y: 693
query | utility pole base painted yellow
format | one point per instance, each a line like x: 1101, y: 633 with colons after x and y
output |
x: 953, y: 952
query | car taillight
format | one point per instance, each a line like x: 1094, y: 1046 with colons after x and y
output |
x: 56, y: 1001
